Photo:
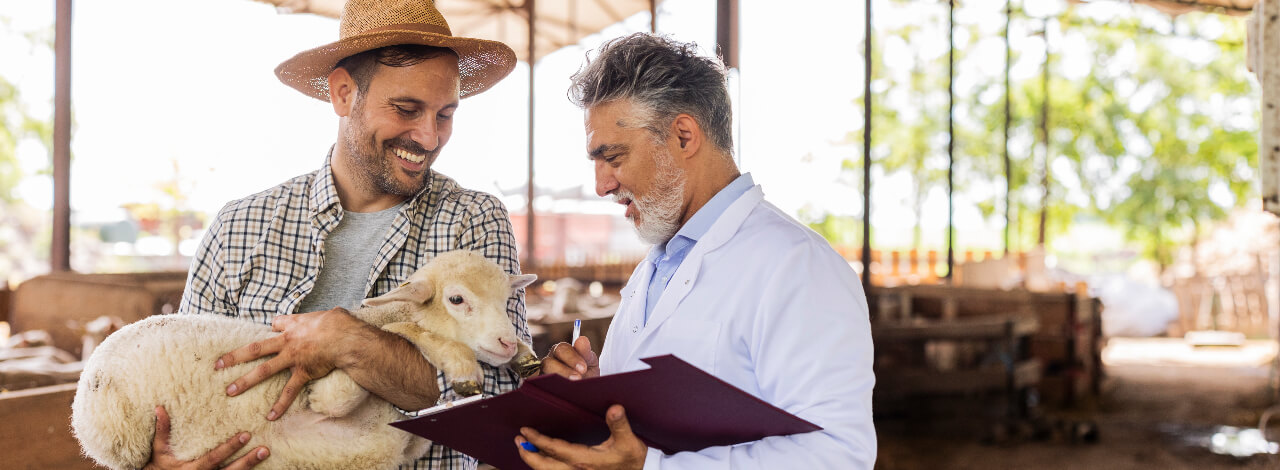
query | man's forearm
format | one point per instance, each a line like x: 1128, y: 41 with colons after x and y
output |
x: 392, y: 368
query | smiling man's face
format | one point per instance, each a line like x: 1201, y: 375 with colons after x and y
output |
x: 398, y: 127
x: 637, y: 170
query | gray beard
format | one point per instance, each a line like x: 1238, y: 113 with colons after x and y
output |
x: 659, y: 211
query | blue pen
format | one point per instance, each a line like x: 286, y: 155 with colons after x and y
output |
x: 577, y: 330
x: 529, y: 446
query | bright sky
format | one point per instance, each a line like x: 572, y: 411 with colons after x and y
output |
x: 190, y: 81
x: 158, y: 81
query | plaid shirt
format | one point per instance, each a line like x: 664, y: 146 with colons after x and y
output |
x: 262, y: 255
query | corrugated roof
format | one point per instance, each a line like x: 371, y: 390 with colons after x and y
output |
x: 559, y: 22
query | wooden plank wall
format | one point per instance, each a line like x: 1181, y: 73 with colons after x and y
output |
x: 35, y: 430
x: 62, y: 303
x: 1068, y: 341
x: 6, y: 301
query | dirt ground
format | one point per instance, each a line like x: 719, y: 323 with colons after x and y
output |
x: 1161, y: 404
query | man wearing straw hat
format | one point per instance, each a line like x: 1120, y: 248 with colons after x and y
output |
x: 360, y: 225
x: 732, y: 285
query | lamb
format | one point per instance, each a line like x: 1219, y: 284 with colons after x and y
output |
x: 453, y: 309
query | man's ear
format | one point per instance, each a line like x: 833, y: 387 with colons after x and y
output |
x: 342, y: 91
x: 688, y: 135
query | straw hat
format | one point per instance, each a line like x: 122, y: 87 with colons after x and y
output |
x: 370, y: 24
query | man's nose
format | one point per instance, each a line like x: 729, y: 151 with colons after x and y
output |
x: 605, y: 182
x: 426, y: 134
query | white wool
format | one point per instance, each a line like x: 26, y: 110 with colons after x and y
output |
x: 168, y: 360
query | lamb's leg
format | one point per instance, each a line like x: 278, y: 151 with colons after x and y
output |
x: 335, y: 394
x: 455, y: 359
x: 383, y: 314
x: 525, y: 362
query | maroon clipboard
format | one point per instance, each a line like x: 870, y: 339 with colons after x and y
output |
x: 672, y: 406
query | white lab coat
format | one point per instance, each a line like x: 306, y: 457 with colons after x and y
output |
x: 764, y: 303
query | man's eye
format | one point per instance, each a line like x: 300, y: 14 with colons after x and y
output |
x: 444, y: 117
x: 405, y: 111
x: 456, y: 300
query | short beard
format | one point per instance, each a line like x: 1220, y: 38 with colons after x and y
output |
x: 659, y: 210
x: 372, y: 168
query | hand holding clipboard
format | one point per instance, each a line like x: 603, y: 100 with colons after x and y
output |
x: 671, y: 406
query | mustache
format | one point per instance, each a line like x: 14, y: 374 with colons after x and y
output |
x: 407, y: 144
x: 623, y: 194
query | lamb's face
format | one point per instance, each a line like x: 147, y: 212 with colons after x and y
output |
x: 474, y: 292
x: 481, y: 313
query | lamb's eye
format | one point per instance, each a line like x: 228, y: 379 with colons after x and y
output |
x: 456, y: 300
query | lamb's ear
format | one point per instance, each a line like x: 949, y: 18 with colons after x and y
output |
x: 521, y: 280
x: 415, y: 291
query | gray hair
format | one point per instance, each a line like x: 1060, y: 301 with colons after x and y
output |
x: 662, y: 78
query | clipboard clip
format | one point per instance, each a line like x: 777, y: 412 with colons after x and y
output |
x: 451, y: 404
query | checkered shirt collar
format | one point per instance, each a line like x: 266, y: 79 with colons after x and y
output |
x: 326, y: 207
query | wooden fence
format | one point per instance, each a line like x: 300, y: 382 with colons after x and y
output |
x: 888, y: 268
x: 1230, y: 303
x: 610, y: 269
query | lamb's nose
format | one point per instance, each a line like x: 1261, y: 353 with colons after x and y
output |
x: 507, y: 346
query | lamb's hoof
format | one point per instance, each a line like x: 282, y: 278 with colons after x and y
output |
x: 527, y: 366
x: 466, y: 388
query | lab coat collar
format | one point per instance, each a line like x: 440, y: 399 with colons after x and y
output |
x: 683, y: 280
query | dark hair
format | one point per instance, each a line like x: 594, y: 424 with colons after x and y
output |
x: 361, y: 66
x: 663, y: 78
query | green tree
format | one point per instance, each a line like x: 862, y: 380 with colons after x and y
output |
x: 24, y: 246
x: 16, y: 123
x: 1148, y: 117
x: 907, y: 120
x: 1148, y: 132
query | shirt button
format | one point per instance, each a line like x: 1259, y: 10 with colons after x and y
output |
x: 297, y: 294
x: 635, y: 329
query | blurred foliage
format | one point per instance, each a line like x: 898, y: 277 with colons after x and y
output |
x: 25, y: 232
x: 1164, y: 117
x: 16, y: 123
x: 839, y: 230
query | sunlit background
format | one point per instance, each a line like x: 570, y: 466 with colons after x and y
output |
x: 177, y: 112
x: 1140, y: 169
x: 1124, y: 202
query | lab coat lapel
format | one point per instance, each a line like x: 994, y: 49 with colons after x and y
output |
x: 621, y: 340
x: 686, y: 276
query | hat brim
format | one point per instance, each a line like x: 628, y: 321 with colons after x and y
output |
x: 481, y: 62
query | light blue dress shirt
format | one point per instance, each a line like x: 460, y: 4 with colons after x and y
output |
x: 668, y: 257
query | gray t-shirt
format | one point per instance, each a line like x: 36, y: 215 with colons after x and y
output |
x: 349, y: 253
